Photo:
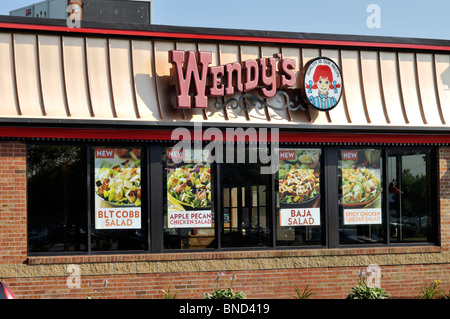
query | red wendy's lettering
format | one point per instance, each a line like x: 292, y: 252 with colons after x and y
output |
x: 191, y: 67
x: 191, y: 70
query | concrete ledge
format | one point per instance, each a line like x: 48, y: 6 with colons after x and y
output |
x: 199, y: 262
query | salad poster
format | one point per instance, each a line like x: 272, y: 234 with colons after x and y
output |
x: 361, y: 186
x: 299, y: 187
x: 188, y: 191
x: 117, y: 188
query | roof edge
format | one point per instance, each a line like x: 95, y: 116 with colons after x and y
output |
x: 240, y: 35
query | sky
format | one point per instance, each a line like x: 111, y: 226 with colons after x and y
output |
x: 396, y: 18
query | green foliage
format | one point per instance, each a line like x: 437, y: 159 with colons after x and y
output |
x: 225, y: 294
x: 169, y: 295
x: 305, y: 294
x: 432, y: 291
x: 363, y: 291
x: 228, y: 293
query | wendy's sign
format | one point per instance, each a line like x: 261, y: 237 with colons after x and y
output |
x: 323, y: 83
x: 226, y: 79
x: 196, y: 80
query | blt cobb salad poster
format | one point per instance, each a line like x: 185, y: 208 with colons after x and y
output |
x: 117, y: 188
x: 299, y: 187
x: 361, y: 187
x: 188, y: 189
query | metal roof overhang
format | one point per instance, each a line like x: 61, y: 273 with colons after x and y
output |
x: 105, y: 75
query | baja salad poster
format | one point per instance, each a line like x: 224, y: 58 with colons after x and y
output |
x: 188, y: 190
x: 117, y: 188
x: 299, y: 187
x: 361, y: 186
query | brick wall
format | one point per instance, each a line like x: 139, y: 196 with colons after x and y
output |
x: 326, y: 283
x: 13, y: 221
x: 330, y: 273
x: 444, y: 196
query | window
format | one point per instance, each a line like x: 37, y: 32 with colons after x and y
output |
x: 57, y: 209
x: 246, y: 205
x: 360, y: 178
x: 118, y: 221
x: 411, y: 194
x: 105, y: 198
x: 189, y: 221
x: 299, y: 216
x: 86, y: 199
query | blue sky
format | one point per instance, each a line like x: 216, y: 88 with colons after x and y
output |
x: 399, y: 18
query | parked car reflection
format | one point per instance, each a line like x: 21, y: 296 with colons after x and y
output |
x: 6, y: 292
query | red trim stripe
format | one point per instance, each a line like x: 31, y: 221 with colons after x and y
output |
x: 166, y: 135
x: 179, y: 35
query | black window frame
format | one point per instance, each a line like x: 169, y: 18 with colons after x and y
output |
x: 152, y: 175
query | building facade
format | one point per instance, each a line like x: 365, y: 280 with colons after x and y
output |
x: 137, y: 159
x: 129, y: 11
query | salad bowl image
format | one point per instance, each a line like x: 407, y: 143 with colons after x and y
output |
x: 189, y: 187
x: 360, y: 187
x: 118, y: 182
x: 299, y: 186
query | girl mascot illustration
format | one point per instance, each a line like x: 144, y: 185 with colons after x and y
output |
x: 323, y: 81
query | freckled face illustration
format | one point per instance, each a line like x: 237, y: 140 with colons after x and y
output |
x: 323, y: 77
x: 323, y: 85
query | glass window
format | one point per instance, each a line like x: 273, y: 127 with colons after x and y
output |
x: 118, y: 221
x: 410, y: 196
x: 57, y: 209
x: 188, y: 201
x: 360, y: 196
x: 299, y: 218
x: 84, y: 198
x: 246, y: 204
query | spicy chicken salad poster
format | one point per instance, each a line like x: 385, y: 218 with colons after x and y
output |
x: 361, y: 186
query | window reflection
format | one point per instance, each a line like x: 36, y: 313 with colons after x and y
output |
x: 361, y: 217
x: 116, y: 190
x: 246, y: 213
x: 189, y: 221
x: 298, y: 188
x: 57, y: 210
x: 410, y: 194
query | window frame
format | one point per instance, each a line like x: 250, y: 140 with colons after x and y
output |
x: 87, y: 147
x: 152, y: 177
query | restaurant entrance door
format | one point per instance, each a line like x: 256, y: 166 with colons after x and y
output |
x: 246, y: 206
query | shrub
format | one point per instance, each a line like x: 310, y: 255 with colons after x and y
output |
x: 305, y: 294
x: 228, y: 293
x: 169, y: 294
x: 363, y: 291
x: 432, y: 291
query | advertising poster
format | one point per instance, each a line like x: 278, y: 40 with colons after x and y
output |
x: 117, y: 188
x: 299, y: 187
x: 188, y: 191
x: 361, y: 186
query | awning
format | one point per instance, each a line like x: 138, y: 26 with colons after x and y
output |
x: 52, y: 73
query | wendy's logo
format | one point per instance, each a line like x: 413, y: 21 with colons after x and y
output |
x: 322, y: 83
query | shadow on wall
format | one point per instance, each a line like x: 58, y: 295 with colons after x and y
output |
x: 146, y: 89
x: 445, y: 77
x: 445, y: 178
x: 143, y: 83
